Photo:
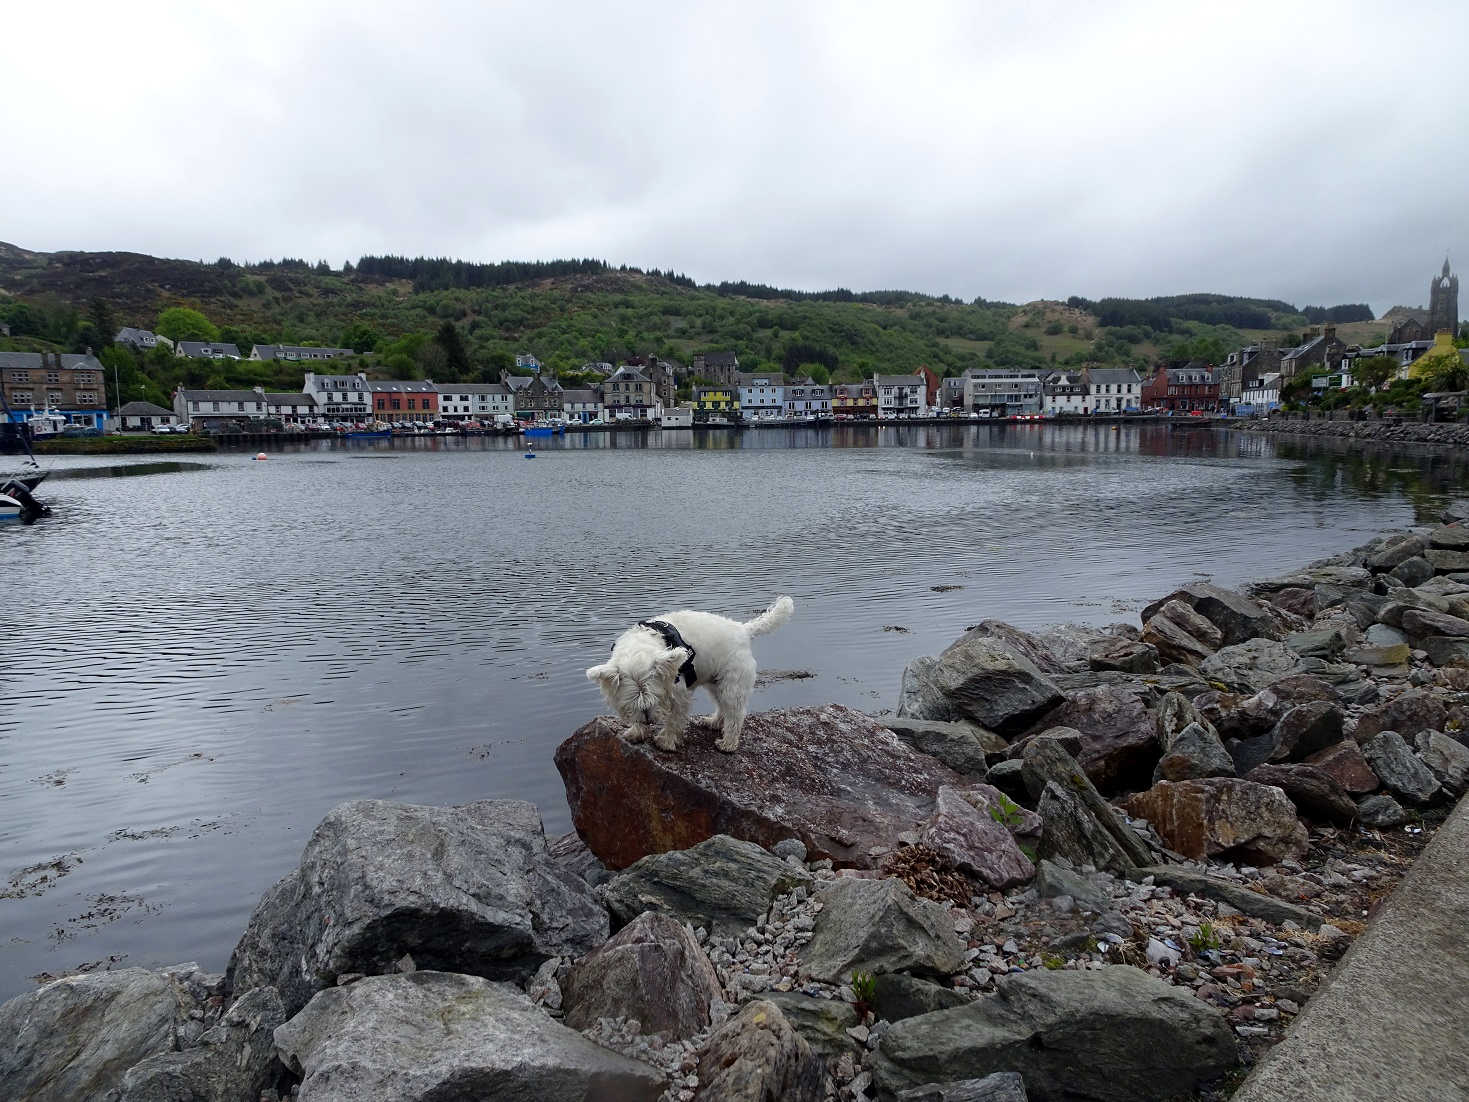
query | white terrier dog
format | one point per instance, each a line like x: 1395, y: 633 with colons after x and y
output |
x: 655, y: 667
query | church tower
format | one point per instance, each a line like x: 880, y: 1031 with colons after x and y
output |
x: 1443, y: 302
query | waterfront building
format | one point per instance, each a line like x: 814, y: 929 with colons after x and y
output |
x: 629, y: 395
x: 662, y: 373
x: 717, y: 399
x: 854, y: 400
x: 1187, y: 388
x: 1003, y: 390
x: 1114, y: 389
x: 900, y: 396
x: 536, y: 397
x: 143, y: 416
x: 270, y: 352
x: 218, y: 410
x: 144, y: 340
x: 677, y: 417
x: 762, y: 395
x: 718, y: 367
x: 206, y: 350
x: 1319, y: 350
x: 581, y: 406
x: 1405, y: 353
x: 1064, y: 392
x: 71, y: 384
x: 290, y: 409
x: 951, y: 392
x: 340, y: 397
x: 404, y: 400
x: 1244, y: 367
x: 475, y: 401
x: 807, y: 399
x: 1261, y: 395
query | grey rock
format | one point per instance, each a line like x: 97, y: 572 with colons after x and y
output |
x: 1196, y: 752
x: 1119, y: 736
x: 1247, y: 753
x: 1008, y: 777
x: 822, y: 1022
x: 1186, y: 881
x: 434, y: 1036
x: 1123, y: 655
x: 1314, y: 791
x: 758, y: 1057
x: 787, y: 848
x: 1408, y: 713
x: 653, y: 970
x: 469, y: 889
x: 1446, y: 758
x: 1305, y: 730
x: 1070, y: 739
x: 1380, y: 635
x: 1252, y: 665
x: 1077, y: 824
x: 1002, y: 1086
x: 1447, y: 562
x: 1235, y: 616
x: 1396, y: 654
x: 73, y: 1038
x: 233, y: 1062
x: 1052, y: 880
x: 1414, y: 570
x: 1446, y: 650
x: 1422, y: 622
x: 1451, y: 537
x: 961, y: 746
x: 1183, y: 614
x: 1381, y: 812
x: 1325, y: 643
x: 879, y: 926
x: 1402, y: 772
x: 1173, y: 642
x: 572, y: 854
x: 1175, y: 712
x: 972, y: 828
x: 981, y: 678
x: 1113, y: 1035
x: 722, y: 883
x: 919, y: 695
x: 1394, y: 551
x: 897, y: 996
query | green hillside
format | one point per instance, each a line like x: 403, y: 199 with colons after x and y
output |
x: 455, y: 321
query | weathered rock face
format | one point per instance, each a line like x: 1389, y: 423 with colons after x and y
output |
x: 1186, y: 881
x: 1400, y: 770
x: 652, y: 970
x: 1173, y: 642
x: 1236, y: 616
x: 757, y: 1057
x: 1002, y: 1086
x: 722, y: 884
x: 1345, y: 764
x: 1413, y: 571
x: 1253, y: 665
x: 1324, y: 642
x: 1395, y: 550
x: 961, y: 746
x: 1195, y: 752
x: 972, y: 827
x: 468, y: 888
x: 823, y: 1023
x: 1305, y: 730
x: 896, y: 996
x: 233, y: 1062
x: 1223, y: 816
x: 1408, y: 713
x: 1381, y: 812
x: 1446, y: 758
x: 73, y: 1038
x: 1175, y: 712
x: 1053, y: 880
x: 1119, y: 746
x: 1113, y: 1035
x: 1314, y: 791
x: 1420, y: 622
x: 1115, y: 652
x: 879, y: 926
x: 833, y: 778
x: 429, y: 1036
x: 980, y: 678
x: 1077, y: 824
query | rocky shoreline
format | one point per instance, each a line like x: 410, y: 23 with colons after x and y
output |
x: 1452, y: 434
x: 1079, y: 863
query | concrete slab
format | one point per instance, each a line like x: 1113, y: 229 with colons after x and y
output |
x: 1392, y: 1022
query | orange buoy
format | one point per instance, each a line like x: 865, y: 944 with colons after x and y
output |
x: 261, y: 455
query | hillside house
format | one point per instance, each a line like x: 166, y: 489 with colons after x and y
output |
x: 143, y: 340
x: 270, y: 352
x: 206, y: 350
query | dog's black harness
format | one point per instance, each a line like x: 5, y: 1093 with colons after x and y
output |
x: 673, y: 639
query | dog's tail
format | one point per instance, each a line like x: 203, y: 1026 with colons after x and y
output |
x: 773, y: 617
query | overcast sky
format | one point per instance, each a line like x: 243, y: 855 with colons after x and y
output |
x: 1316, y: 152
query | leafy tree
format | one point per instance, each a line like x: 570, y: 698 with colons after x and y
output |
x: 100, y: 314
x: 820, y: 374
x: 179, y: 323
x: 1373, y: 371
x: 456, y: 356
x: 359, y: 337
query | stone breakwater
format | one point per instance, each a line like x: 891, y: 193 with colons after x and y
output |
x: 1079, y: 863
x: 1389, y: 432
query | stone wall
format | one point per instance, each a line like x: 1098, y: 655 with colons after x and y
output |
x: 1449, y: 433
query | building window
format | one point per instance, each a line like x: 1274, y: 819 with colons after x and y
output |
x: 86, y: 398
x: 20, y: 376
x: 21, y: 397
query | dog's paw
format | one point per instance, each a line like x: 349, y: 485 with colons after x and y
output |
x: 635, y: 734
x: 728, y: 745
x: 666, y: 742
x: 711, y: 720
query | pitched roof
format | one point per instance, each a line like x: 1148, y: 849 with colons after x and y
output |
x: 1114, y: 375
x: 289, y: 399
x: 772, y: 378
x: 402, y: 386
x: 35, y: 361
x: 128, y: 335
x: 583, y: 396
x: 299, y: 352
x: 473, y: 388
x: 720, y: 359
x: 144, y: 409
x: 192, y: 349
x: 221, y: 396
x: 900, y: 380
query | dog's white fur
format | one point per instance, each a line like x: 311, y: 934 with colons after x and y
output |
x: 641, y: 682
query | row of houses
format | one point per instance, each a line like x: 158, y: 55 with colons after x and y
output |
x: 145, y: 340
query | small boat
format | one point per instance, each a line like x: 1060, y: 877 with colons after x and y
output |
x: 543, y: 430
x: 18, y: 505
x: 46, y: 426
x: 530, y: 455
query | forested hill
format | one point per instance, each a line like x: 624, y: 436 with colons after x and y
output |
x: 454, y: 320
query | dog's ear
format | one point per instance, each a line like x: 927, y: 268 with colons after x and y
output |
x: 603, y: 672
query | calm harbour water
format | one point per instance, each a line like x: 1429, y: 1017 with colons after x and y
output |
x: 197, y: 663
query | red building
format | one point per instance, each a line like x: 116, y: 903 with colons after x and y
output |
x: 1192, y: 387
x: 404, y: 401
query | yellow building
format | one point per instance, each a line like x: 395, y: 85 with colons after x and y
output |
x: 1442, y: 354
x: 717, y: 399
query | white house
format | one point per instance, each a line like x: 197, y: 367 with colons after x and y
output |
x: 1114, y: 389
x: 900, y: 396
x: 1062, y: 392
x: 762, y: 395
x: 807, y: 399
x: 581, y: 406
x: 297, y: 352
x: 217, y: 409
x: 142, y: 416
x: 678, y: 417
x: 1263, y: 394
x: 293, y: 409
x: 206, y: 350
x: 340, y: 397
x: 476, y: 401
x: 143, y: 339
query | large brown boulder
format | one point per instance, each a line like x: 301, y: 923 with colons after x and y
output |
x: 1345, y: 764
x: 1236, y: 616
x: 1408, y: 713
x: 837, y: 780
x: 1312, y: 789
x: 1119, y: 742
x: 1223, y: 817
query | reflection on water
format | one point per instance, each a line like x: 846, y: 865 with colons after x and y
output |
x: 129, y: 470
x: 198, y: 665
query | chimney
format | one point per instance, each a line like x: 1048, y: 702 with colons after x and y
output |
x: 1330, y: 332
